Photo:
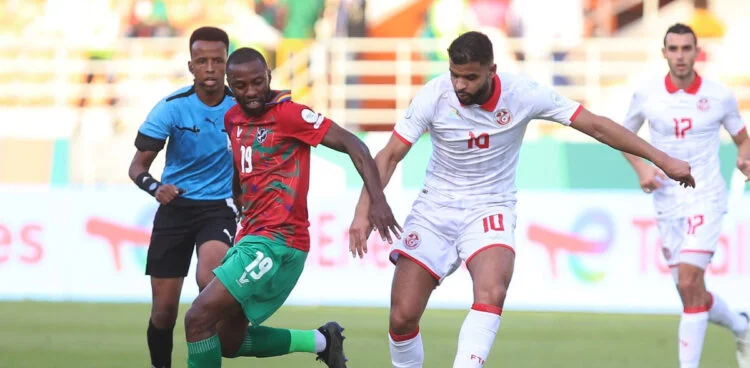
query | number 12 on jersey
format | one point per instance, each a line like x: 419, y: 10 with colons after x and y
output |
x: 247, y: 159
x: 681, y: 126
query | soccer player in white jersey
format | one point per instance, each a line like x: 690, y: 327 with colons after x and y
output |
x: 476, y: 119
x: 685, y: 114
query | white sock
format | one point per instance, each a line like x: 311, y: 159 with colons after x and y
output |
x: 406, y: 350
x: 692, y: 332
x: 477, y: 335
x: 722, y: 316
x: 320, y: 341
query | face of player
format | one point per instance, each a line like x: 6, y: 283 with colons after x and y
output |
x: 472, y: 82
x: 208, y: 64
x: 251, y: 84
x: 680, y: 51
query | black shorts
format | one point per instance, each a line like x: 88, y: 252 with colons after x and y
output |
x: 182, y: 225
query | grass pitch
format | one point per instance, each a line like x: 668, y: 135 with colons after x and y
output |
x: 61, y: 335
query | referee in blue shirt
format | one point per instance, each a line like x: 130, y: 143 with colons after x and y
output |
x: 195, y: 192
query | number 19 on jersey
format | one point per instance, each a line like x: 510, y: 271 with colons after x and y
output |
x: 246, y: 163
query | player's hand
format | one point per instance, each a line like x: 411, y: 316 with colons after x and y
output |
x: 383, y: 220
x: 651, y: 180
x: 678, y: 170
x: 166, y: 193
x: 744, y: 166
x: 359, y: 231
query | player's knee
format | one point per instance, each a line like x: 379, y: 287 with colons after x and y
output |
x: 164, y: 315
x: 493, y: 295
x: 402, y: 321
x: 196, y: 319
x: 688, y: 286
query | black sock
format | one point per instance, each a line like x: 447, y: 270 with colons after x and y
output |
x: 160, y: 345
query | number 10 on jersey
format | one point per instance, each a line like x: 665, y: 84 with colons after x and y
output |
x: 246, y: 160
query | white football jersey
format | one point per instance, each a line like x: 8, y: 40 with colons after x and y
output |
x: 475, y: 148
x: 685, y: 124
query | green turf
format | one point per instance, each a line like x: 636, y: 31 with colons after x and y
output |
x: 113, y: 335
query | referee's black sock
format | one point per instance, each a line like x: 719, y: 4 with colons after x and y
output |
x: 160, y: 345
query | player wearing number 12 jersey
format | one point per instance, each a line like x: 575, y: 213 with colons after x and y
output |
x: 476, y: 119
x: 685, y: 114
x: 270, y: 138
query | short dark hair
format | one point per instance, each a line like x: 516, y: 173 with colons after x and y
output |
x: 679, y: 28
x: 245, y: 55
x: 471, y: 47
x: 209, y: 34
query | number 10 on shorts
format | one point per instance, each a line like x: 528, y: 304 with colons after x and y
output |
x: 257, y: 268
x: 493, y: 223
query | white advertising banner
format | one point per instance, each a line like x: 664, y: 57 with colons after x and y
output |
x: 578, y: 251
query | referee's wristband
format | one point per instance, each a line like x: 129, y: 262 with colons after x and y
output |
x: 147, y: 183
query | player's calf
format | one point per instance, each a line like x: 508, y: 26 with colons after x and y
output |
x: 692, y: 287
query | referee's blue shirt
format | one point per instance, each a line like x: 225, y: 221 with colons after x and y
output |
x: 198, y: 158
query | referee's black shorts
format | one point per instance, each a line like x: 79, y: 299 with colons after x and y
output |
x: 182, y: 225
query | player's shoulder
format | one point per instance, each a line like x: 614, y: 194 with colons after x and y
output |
x: 510, y: 82
x: 234, y: 113
x: 434, y: 90
x: 281, y: 102
x: 522, y: 88
x: 715, y: 88
x: 179, y: 95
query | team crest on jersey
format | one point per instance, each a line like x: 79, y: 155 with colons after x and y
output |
x: 503, y: 116
x: 703, y: 104
x: 261, y: 135
x: 412, y: 240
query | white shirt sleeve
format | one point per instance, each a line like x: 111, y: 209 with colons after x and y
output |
x: 549, y: 105
x: 732, y: 120
x: 418, y: 116
x: 635, y: 118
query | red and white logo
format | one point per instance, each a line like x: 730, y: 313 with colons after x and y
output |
x: 411, y: 240
x: 503, y: 116
x: 703, y: 104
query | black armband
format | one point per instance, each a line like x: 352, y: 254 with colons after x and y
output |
x: 146, y: 143
x: 147, y: 182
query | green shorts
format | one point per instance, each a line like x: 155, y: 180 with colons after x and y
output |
x: 260, y: 273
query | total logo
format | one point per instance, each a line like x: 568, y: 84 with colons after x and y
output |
x: 590, y: 237
x: 133, y: 237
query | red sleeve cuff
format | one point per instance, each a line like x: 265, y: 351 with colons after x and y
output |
x: 324, y: 126
x: 575, y: 114
x: 402, y: 139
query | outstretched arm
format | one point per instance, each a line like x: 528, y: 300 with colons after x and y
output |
x: 614, y: 135
x: 380, y: 213
x: 386, y: 160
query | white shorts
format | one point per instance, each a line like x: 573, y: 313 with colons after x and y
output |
x: 691, y: 239
x: 438, y: 237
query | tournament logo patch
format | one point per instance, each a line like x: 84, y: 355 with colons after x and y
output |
x: 312, y: 117
x: 309, y: 116
x: 703, y: 104
x: 503, y: 116
x: 261, y: 135
x: 412, y: 240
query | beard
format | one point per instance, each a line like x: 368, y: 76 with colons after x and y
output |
x: 476, y: 97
